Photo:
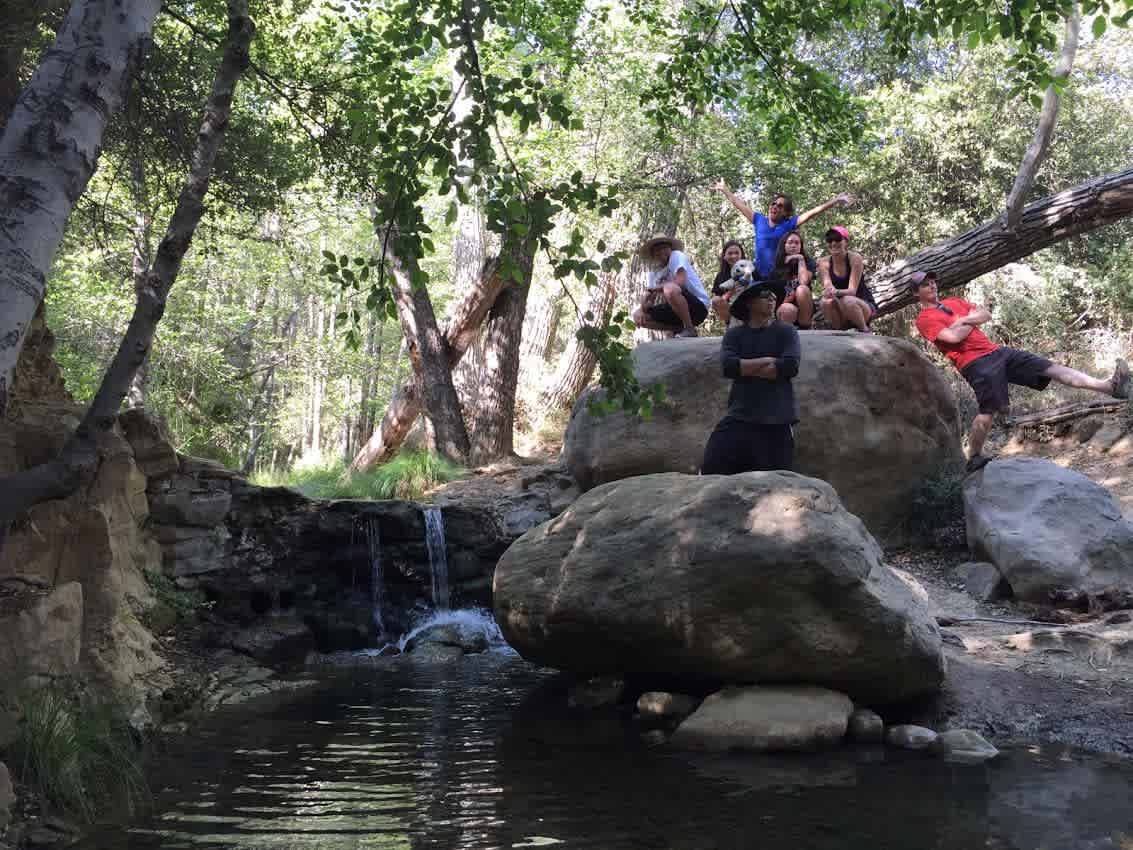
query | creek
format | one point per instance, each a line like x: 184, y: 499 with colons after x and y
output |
x: 483, y: 753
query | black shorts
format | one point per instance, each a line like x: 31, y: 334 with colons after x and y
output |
x: 990, y: 375
x: 663, y: 313
x: 738, y: 446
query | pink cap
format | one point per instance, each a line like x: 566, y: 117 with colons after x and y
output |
x: 840, y: 230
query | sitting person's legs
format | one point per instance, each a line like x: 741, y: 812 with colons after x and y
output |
x: 833, y: 313
x: 804, y: 301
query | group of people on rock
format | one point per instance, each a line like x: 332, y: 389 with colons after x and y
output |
x: 768, y: 299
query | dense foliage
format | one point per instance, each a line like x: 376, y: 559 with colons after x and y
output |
x: 572, y: 128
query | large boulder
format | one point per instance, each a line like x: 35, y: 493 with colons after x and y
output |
x: 1047, y: 528
x: 875, y: 416
x: 762, y: 577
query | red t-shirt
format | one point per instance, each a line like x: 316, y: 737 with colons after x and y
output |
x: 932, y: 320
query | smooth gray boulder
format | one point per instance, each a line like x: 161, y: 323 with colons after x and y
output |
x: 761, y: 577
x: 766, y: 719
x: 866, y: 727
x: 1047, y: 528
x: 875, y: 417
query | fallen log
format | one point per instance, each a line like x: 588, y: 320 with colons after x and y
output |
x: 1065, y: 413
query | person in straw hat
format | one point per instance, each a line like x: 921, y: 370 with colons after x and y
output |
x: 675, y: 299
x: 761, y: 357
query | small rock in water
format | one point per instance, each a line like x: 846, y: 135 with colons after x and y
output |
x: 597, y: 692
x: 909, y: 737
x: 865, y: 727
x: 462, y: 636
x: 964, y: 746
x: 436, y: 652
x: 654, y: 738
x: 663, y: 704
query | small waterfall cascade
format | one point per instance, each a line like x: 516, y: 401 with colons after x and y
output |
x: 377, y: 578
x: 438, y: 563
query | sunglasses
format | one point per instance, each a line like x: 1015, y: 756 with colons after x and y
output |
x: 778, y: 204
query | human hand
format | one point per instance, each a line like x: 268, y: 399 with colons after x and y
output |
x: 721, y: 186
x: 829, y: 292
x: 846, y: 199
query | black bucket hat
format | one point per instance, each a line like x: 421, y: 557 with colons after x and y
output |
x: 740, y: 304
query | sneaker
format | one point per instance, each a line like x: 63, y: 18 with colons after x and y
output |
x: 976, y: 462
x: 689, y: 333
x: 1120, y: 380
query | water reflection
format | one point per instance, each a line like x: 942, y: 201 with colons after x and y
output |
x: 484, y: 754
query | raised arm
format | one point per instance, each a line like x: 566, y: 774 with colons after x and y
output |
x: 744, y: 210
x: 844, y: 198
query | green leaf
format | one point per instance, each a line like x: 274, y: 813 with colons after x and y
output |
x: 1099, y: 26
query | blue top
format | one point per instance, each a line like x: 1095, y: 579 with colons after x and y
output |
x: 679, y: 260
x: 767, y: 238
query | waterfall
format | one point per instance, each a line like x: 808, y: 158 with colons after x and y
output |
x: 438, y: 564
x: 377, y: 579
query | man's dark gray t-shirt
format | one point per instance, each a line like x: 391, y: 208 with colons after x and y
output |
x: 758, y: 400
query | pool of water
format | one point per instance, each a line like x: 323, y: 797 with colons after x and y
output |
x: 484, y: 754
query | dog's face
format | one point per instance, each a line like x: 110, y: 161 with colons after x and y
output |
x: 743, y: 272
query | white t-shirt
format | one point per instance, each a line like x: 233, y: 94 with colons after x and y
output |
x: 679, y: 260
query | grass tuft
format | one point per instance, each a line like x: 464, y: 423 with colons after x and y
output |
x: 408, y: 476
x: 936, y: 505
x: 78, y: 754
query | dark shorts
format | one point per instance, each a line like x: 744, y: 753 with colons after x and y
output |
x: 737, y: 446
x: 990, y: 375
x: 664, y: 314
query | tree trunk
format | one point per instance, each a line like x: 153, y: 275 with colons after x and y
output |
x: 50, y: 146
x: 539, y: 331
x: 1093, y: 204
x: 577, y: 365
x: 431, y: 368
x: 405, y: 403
x: 142, y: 249
x: 79, y: 456
x: 491, y: 423
x: 1036, y: 151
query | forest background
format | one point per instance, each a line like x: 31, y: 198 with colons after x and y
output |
x: 279, y: 355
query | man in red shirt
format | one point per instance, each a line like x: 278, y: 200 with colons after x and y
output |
x: 952, y: 325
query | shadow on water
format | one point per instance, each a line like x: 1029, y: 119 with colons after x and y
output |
x: 484, y: 754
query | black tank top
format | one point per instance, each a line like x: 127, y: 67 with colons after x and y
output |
x: 843, y: 281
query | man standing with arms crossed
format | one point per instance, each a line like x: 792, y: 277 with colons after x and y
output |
x: 952, y: 325
x: 779, y: 221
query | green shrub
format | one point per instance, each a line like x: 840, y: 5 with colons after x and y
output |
x: 408, y: 476
x: 936, y: 505
x: 78, y: 754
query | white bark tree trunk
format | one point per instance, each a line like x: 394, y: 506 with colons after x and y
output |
x: 50, y: 146
x: 79, y: 457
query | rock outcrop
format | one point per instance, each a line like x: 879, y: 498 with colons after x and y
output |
x: 876, y: 417
x: 762, y: 577
x: 1047, y: 528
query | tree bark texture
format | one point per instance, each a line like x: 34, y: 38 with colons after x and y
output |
x: 491, y: 421
x: 578, y: 362
x: 1088, y: 206
x: 50, y: 146
x: 79, y: 457
x: 405, y: 404
x: 1048, y: 117
x: 432, y: 371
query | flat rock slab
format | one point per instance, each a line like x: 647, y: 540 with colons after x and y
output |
x: 766, y: 719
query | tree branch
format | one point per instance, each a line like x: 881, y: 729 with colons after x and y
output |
x: 1036, y: 152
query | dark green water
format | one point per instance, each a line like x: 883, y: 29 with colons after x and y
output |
x: 483, y: 754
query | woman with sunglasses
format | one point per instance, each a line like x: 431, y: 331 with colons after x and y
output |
x: 846, y: 300
x: 722, y: 293
x: 795, y: 269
